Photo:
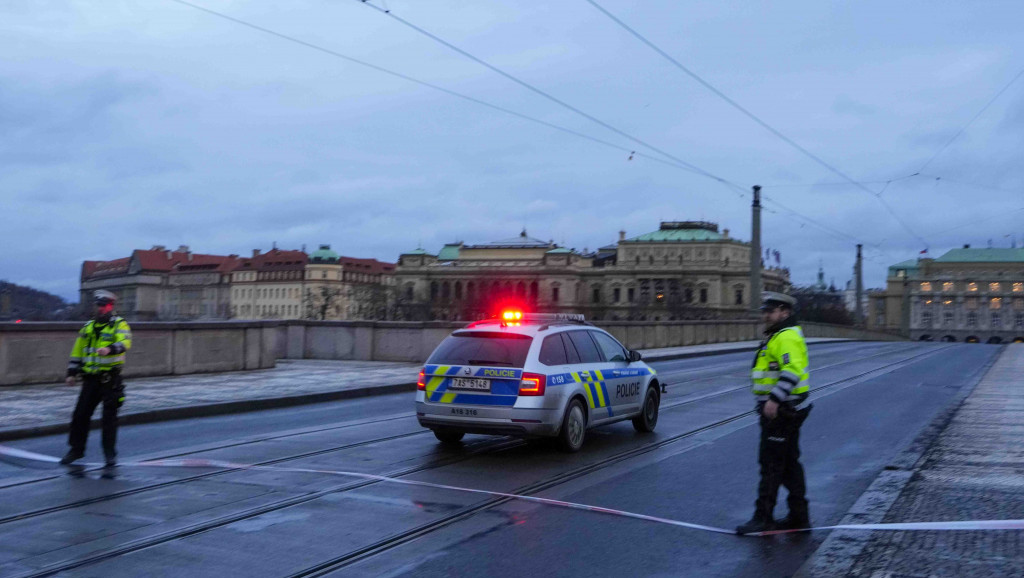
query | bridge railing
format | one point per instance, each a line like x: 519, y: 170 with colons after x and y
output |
x: 38, y: 352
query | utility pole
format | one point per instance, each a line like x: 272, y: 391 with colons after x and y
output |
x: 755, y: 250
x: 859, y: 273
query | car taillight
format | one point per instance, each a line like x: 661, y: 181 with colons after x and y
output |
x: 532, y: 384
x: 421, y: 382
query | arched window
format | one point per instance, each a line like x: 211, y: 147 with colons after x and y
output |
x: 446, y: 290
x: 433, y: 290
x: 521, y: 289
x: 458, y: 289
x: 534, y: 291
x: 470, y: 291
x: 688, y: 295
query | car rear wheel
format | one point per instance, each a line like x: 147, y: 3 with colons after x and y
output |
x: 574, y: 428
x: 648, y: 418
x: 448, y: 436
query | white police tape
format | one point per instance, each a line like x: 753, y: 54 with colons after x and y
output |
x: 204, y: 463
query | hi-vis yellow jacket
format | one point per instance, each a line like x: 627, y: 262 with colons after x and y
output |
x: 780, y: 368
x: 115, y: 334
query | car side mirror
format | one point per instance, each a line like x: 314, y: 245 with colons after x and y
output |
x: 634, y: 356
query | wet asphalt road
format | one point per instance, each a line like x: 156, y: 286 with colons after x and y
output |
x: 170, y: 522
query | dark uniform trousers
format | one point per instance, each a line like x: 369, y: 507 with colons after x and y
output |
x: 779, y: 457
x: 105, y: 387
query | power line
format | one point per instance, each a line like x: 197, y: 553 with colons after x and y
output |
x: 836, y: 183
x: 750, y: 115
x: 426, y: 84
x: 544, y: 94
x: 969, y: 123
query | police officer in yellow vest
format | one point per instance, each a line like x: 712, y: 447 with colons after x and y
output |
x: 780, y: 383
x: 98, y: 356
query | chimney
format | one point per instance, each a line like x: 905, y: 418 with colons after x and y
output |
x: 157, y: 248
x: 255, y: 252
x: 170, y: 254
x: 183, y: 248
x: 725, y: 233
x: 967, y: 245
x: 622, y: 236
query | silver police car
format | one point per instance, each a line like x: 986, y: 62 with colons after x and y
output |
x: 534, y: 375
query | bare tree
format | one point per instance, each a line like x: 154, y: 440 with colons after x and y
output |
x: 373, y: 302
x: 323, y: 302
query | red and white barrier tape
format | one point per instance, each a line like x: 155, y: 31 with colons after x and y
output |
x: 204, y: 463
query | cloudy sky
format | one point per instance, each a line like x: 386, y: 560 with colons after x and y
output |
x: 130, y: 123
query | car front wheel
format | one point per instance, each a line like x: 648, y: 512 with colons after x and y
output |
x: 648, y: 418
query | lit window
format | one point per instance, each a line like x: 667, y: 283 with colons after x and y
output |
x: 1018, y: 287
x: 993, y: 287
x: 947, y: 302
x: 995, y: 303
x: 972, y: 286
x: 926, y: 286
x: 947, y: 286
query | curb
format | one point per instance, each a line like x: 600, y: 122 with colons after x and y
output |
x: 839, y: 552
x: 212, y: 409
x: 243, y: 406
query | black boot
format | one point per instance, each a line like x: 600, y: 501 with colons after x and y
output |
x: 795, y: 520
x: 111, y: 459
x: 761, y: 522
x: 72, y: 456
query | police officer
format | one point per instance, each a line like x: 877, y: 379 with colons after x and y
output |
x: 98, y: 356
x: 780, y: 383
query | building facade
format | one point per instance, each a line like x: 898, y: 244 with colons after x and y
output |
x: 161, y: 284
x: 684, y: 270
x: 967, y: 294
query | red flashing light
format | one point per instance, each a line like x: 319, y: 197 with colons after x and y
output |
x: 532, y: 384
x: 512, y: 315
x: 17, y: 320
x: 421, y: 382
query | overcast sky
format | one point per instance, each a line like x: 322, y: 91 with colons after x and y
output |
x: 131, y: 123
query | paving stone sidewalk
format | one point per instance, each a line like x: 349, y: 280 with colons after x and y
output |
x: 974, y: 470
x: 46, y: 409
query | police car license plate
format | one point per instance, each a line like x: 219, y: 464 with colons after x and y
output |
x: 472, y: 384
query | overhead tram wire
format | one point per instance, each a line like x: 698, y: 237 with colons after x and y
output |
x: 742, y: 191
x: 752, y: 116
x: 449, y: 92
x: 970, y: 122
x: 546, y: 95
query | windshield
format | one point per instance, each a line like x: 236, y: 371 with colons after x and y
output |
x: 482, y: 348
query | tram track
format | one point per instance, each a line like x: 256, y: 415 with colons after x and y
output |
x: 403, y: 537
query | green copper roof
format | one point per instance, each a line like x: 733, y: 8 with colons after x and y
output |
x: 450, y: 252
x: 910, y: 266
x: 683, y: 231
x: 559, y: 251
x: 983, y: 256
x: 416, y: 252
x: 323, y: 254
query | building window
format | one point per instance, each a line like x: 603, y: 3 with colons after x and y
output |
x: 703, y: 295
x: 688, y: 295
x: 1018, y: 287
x: 972, y: 286
x: 1018, y: 320
x: 971, y: 302
x: 650, y: 260
x: 1018, y: 304
x: 947, y: 286
x: 616, y: 295
x: 926, y: 286
x: 995, y: 303
x: 631, y: 294
x: 972, y: 319
x: 739, y: 296
x: 997, y: 321
x: 926, y: 318
x: 554, y: 294
x: 993, y: 287
x: 947, y: 318
x: 596, y: 298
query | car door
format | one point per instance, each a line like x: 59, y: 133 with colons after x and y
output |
x: 623, y: 384
x: 589, y: 373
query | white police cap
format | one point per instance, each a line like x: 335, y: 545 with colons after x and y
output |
x: 771, y: 300
x: 103, y: 296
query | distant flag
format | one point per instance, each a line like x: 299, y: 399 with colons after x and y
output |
x: 778, y: 257
x: 925, y: 251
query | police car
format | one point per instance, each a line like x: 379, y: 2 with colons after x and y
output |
x: 534, y: 375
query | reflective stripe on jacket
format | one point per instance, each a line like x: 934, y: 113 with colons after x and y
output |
x: 780, y: 368
x: 91, y: 338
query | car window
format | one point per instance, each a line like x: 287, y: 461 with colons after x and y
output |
x: 552, y: 351
x: 610, y: 348
x: 584, y: 346
x: 570, y: 350
x: 482, y: 348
